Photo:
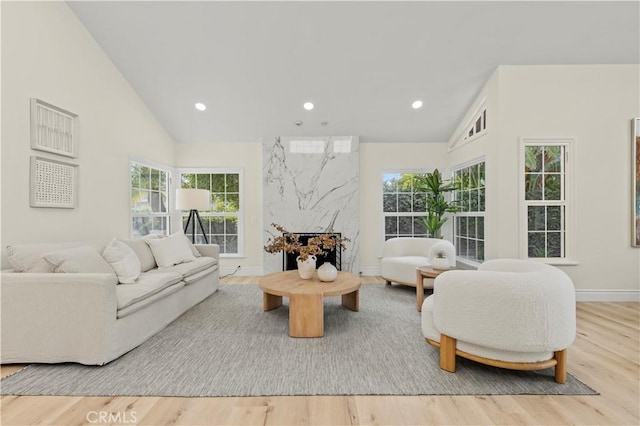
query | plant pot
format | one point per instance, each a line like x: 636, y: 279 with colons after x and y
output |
x: 327, y: 272
x: 306, y: 268
x: 441, y: 264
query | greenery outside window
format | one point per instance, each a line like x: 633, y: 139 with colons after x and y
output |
x: 149, y: 194
x: 469, y: 219
x: 222, y: 221
x: 546, y: 199
x: 403, y: 209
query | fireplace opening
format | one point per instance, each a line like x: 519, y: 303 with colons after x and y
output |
x: 334, y: 256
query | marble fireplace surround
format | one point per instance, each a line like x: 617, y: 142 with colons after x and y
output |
x: 310, y: 185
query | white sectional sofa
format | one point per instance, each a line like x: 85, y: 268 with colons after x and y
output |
x: 402, y: 255
x: 89, y: 317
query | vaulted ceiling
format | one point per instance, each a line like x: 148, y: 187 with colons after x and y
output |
x: 362, y: 64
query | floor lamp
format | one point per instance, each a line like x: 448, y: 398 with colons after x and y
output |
x: 193, y: 200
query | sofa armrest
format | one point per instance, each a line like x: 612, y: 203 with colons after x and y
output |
x: 210, y: 250
x: 54, y: 317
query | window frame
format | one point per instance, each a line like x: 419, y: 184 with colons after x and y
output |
x: 474, y: 214
x: 479, y: 115
x: 170, y: 199
x: 239, y: 214
x: 568, y: 190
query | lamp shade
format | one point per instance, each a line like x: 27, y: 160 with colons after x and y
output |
x: 192, y: 199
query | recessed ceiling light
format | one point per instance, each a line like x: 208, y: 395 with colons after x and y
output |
x: 200, y: 106
x: 308, y: 106
x: 416, y: 104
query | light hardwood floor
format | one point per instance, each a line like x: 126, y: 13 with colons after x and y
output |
x: 605, y: 356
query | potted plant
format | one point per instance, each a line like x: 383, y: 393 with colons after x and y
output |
x: 435, y: 189
x: 318, y: 245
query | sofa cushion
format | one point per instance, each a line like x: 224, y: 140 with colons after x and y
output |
x: 147, y: 285
x: 145, y: 255
x: 135, y: 307
x: 198, y: 275
x: 172, y: 250
x: 402, y: 269
x: 189, y: 268
x: 78, y: 260
x: 123, y: 260
x: 28, y: 257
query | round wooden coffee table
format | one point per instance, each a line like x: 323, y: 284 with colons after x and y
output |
x: 426, y: 271
x: 306, y: 298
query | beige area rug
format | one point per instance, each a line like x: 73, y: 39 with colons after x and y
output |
x: 227, y: 346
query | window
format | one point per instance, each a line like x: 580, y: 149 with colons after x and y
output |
x: 403, y: 209
x: 469, y: 220
x: 474, y: 128
x: 545, y: 198
x: 149, y: 200
x: 221, y: 222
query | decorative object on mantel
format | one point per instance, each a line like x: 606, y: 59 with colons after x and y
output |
x: 327, y: 272
x: 306, y: 268
x: 193, y: 200
x: 53, y: 183
x: 54, y: 129
x: 440, y: 261
x: 290, y: 243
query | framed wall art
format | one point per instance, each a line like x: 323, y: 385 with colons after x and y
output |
x: 635, y: 181
x: 54, y: 129
x: 53, y: 183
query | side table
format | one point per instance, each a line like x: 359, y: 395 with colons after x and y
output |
x: 422, y: 272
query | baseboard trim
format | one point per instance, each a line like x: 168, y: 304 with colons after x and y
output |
x: 370, y: 271
x: 608, y: 295
x: 242, y: 272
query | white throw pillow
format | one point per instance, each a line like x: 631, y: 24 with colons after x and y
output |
x: 78, y: 259
x: 123, y: 260
x: 171, y: 250
x: 193, y: 248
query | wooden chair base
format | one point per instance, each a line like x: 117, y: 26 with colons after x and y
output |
x: 448, y: 353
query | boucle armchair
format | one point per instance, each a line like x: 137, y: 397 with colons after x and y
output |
x: 514, y: 314
x: 402, y: 255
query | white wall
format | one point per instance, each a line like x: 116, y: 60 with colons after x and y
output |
x: 248, y: 157
x: 376, y: 158
x: 594, y: 104
x: 48, y: 54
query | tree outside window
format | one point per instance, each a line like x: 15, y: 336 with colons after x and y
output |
x: 544, y: 194
x: 403, y: 208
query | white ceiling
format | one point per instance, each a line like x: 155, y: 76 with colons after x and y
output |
x: 361, y: 63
